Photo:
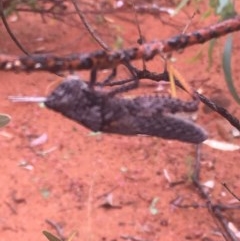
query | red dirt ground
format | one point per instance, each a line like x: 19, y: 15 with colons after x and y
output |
x: 70, y: 177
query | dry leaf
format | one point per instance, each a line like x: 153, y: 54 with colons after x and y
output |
x: 220, y: 145
x: 39, y: 140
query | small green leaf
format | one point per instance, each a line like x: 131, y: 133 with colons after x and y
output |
x: 4, y: 119
x: 221, y: 5
x: 206, y: 14
x: 118, y: 42
x: 99, y: 19
x: 212, y: 44
x: 45, y: 192
x: 181, y: 5
x: 50, y: 236
x: 196, y: 57
x: 214, y: 3
x: 226, y: 63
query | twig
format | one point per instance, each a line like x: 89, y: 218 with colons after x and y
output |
x: 141, y: 39
x: 108, y: 60
x: 57, y: 227
x: 132, y: 238
x: 214, y: 210
x: 89, y: 28
x: 231, y: 192
x: 220, y: 110
x: 9, y: 30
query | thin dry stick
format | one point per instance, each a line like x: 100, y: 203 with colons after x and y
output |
x: 220, y: 110
x: 214, y: 210
x: 89, y: 28
x: 9, y: 30
x: 90, y: 208
x: 188, y: 24
x: 57, y: 227
x: 141, y: 37
x: 108, y: 60
x: 231, y: 192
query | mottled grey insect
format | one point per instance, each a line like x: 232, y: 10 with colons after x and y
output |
x: 146, y: 115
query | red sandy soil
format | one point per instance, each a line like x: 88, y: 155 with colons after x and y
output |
x: 70, y: 178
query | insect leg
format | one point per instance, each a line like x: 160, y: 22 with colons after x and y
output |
x: 110, y: 77
x: 93, y: 77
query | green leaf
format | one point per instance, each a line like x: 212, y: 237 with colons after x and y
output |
x: 196, y: 57
x: 223, y: 8
x: 221, y: 5
x: 214, y: 3
x: 50, y: 236
x: 226, y: 63
x: 228, y: 12
x: 206, y: 14
x: 118, y: 42
x: 181, y: 5
x: 45, y: 192
x: 212, y: 44
x: 4, y: 119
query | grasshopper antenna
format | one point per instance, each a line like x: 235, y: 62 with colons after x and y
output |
x: 37, y: 99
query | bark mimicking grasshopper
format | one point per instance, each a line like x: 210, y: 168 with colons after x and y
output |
x: 99, y: 111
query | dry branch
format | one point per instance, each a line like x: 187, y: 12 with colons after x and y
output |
x: 108, y: 60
